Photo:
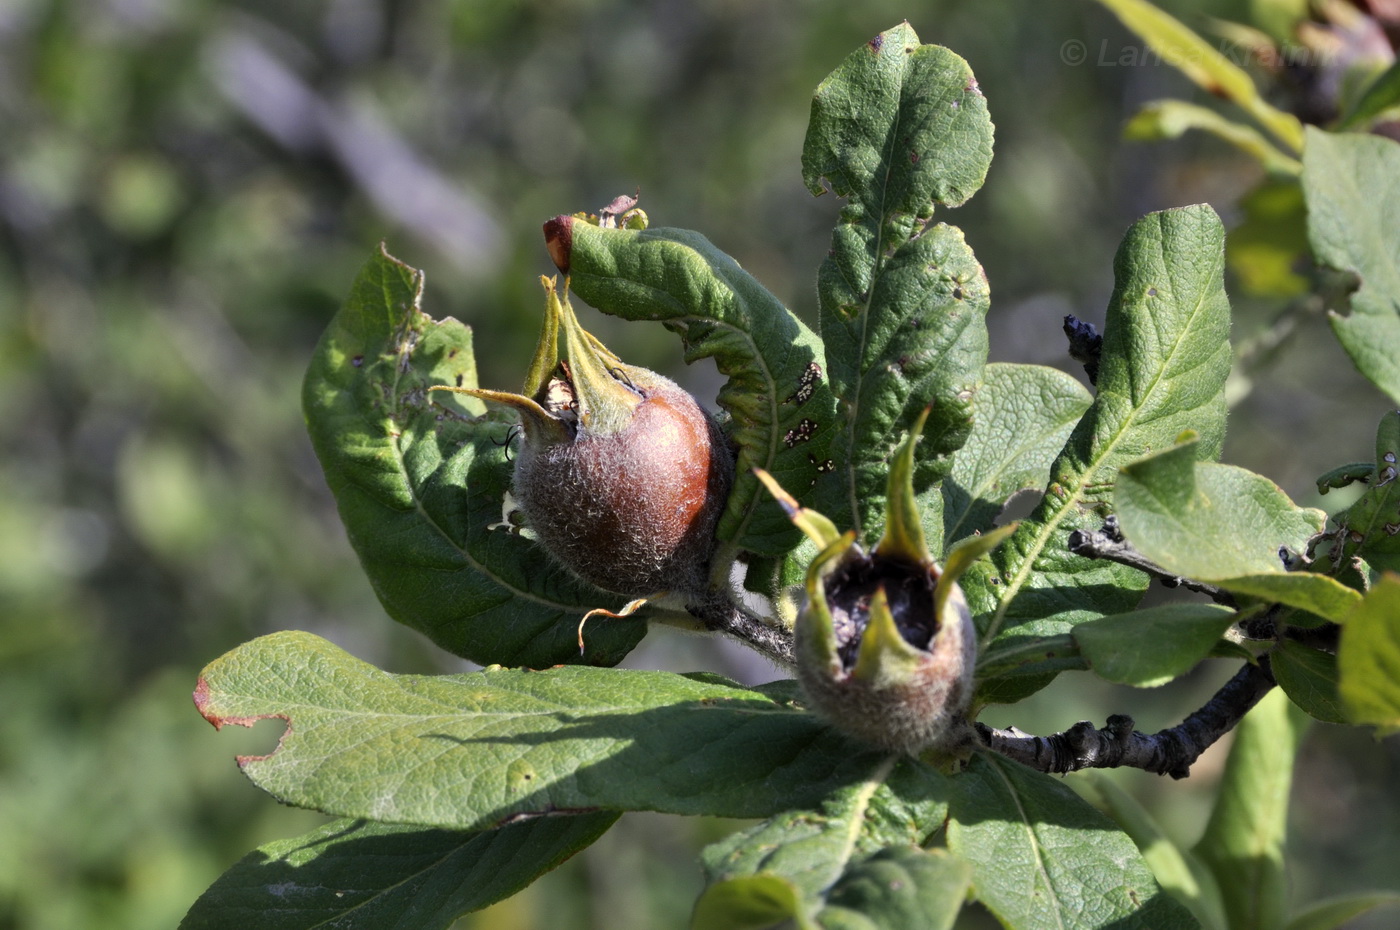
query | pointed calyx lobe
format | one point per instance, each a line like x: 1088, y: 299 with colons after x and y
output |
x: 621, y: 475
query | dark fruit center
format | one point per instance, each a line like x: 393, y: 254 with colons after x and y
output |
x: 908, y: 588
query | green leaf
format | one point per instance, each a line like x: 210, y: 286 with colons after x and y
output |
x: 897, y: 129
x: 1368, y: 658
x: 1171, y: 119
x: 420, y: 481
x: 469, y: 751
x: 899, y: 888
x: 1370, y: 528
x: 1043, y: 857
x: 1243, y: 841
x: 781, y: 406
x: 1352, y: 186
x: 750, y: 902
x: 1179, y: 872
x: 1333, y: 912
x: 1309, y: 678
x: 1151, y: 647
x: 1382, y: 94
x: 1224, y: 525
x: 1205, y: 65
x: 1024, y: 414
x: 898, y: 804
x: 354, y: 874
x: 1165, y: 355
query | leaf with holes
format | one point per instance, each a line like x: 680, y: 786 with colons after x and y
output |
x: 421, y: 484
x: 470, y: 751
x: 898, y: 129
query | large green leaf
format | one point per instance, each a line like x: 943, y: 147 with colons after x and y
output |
x: 1224, y: 525
x: 897, y: 129
x: 1352, y: 186
x: 353, y: 874
x: 469, y: 751
x: 1024, y: 414
x: 1368, y: 658
x: 899, y: 804
x: 1166, y: 352
x: 1243, y: 841
x: 1370, y: 528
x: 776, y: 392
x: 420, y: 484
x: 1151, y: 647
x: 1042, y: 857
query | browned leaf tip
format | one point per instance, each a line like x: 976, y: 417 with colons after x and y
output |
x: 559, y: 239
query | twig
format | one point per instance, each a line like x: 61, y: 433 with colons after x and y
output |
x: 722, y: 615
x: 1108, y: 543
x: 1169, y: 752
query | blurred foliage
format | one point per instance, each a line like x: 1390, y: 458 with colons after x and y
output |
x: 186, y: 190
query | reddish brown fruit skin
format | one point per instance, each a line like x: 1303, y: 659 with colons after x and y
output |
x: 635, y: 511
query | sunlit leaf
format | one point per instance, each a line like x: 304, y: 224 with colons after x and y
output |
x: 471, y: 751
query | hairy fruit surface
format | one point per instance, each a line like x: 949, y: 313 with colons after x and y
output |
x: 621, y: 475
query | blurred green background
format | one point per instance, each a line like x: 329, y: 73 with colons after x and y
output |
x: 186, y: 191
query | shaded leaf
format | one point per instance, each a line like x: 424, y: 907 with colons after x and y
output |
x: 750, y: 902
x: 1165, y: 356
x: 1151, y: 647
x: 776, y: 392
x: 354, y: 874
x: 1205, y: 65
x: 1043, y: 857
x: 899, y: 804
x: 420, y: 480
x: 1309, y: 678
x: 1179, y: 871
x: 1352, y: 186
x: 1024, y: 414
x: 469, y: 751
x: 899, y: 888
x: 897, y: 129
x: 1243, y: 841
x: 1368, y: 658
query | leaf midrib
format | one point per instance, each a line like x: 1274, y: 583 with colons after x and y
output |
x: 1013, y: 588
